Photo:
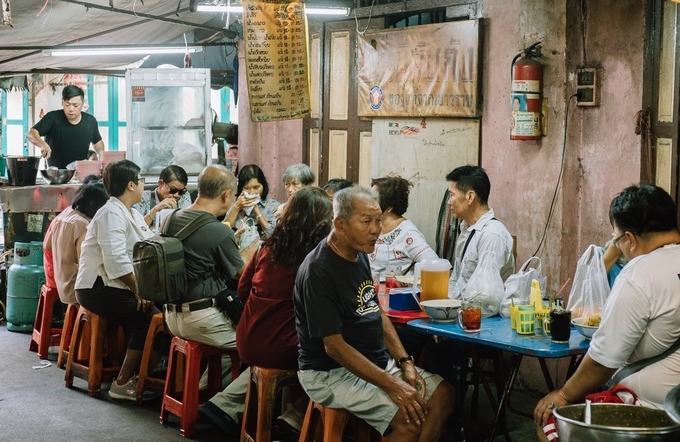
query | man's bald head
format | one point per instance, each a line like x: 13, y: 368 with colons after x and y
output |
x: 214, y: 180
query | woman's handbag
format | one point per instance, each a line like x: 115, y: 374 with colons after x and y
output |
x: 229, y: 302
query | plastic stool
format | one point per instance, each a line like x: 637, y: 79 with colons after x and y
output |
x: 44, y: 335
x: 182, y: 401
x: 103, y: 361
x: 261, y: 399
x: 144, y: 381
x: 66, y: 333
x: 328, y: 425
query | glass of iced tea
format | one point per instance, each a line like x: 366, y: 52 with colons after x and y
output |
x: 470, y: 316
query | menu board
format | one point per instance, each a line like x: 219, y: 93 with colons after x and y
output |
x: 428, y: 70
x: 277, y: 67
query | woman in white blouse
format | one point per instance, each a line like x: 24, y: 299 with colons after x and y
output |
x: 106, y: 284
x: 400, y: 243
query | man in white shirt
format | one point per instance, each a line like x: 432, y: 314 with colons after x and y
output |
x: 469, y: 189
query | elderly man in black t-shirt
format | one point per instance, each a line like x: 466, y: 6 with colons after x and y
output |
x: 350, y: 355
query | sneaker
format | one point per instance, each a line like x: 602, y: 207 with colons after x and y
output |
x: 291, y: 418
x: 216, y: 416
x: 127, y: 391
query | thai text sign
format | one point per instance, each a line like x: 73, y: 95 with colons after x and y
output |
x: 275, y: 41
x: 430, y: 70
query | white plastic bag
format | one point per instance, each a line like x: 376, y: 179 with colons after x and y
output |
x: 486, y: 285
x: 518, y: 285
x: 249, y: 234
x: 590, y: 289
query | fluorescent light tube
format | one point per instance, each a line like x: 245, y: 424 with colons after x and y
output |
x: 238, y: 9
x: 103, y: 50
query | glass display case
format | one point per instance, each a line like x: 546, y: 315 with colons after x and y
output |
x: 168, y: 119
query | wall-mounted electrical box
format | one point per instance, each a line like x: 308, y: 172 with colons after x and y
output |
x: 588, y: 87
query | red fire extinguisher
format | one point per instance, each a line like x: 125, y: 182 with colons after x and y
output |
x: 526, y: 97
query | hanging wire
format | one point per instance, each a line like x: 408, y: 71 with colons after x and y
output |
x: 584, y: 22
x: 370, y: 14
x: 559, y: 178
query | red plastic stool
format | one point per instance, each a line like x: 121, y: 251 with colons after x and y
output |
x: 43, y: 334
x: 103, y: 361
x: 261, y: 400
x: 66, y: 333
x: 328, y: 425
x: 182, y: 400
x: 144, y: 381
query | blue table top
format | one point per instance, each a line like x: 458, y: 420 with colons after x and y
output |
x: 496, y: 332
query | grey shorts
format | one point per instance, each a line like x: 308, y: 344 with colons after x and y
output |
x: 339, y: 388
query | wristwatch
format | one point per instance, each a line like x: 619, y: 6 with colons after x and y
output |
x: 407, y: 358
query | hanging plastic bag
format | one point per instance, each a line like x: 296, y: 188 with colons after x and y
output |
x: 590, y: 289
x: 517, y: 287
x: 249, y: 234
x: 486, y: 285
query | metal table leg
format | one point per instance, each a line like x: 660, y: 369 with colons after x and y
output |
x: 500, y: 416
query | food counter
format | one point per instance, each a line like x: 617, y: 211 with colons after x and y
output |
x: 28, y: 210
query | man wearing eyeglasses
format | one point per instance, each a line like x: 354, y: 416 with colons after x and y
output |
x: 68, y: 133
x: 171, y: 193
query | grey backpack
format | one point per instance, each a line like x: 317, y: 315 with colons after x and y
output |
x: 159, y: 262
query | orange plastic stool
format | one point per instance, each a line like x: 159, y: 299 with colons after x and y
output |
x: 144, y: 381
x: 66, y: 333
x: 43, y: 334
x: 103, y: 361
x: 182, y: 400
x: 261, y: 400
x: 328, y: 425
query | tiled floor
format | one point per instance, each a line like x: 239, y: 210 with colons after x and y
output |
x: 36, y: 406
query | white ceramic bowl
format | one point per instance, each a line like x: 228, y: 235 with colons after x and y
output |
x: 441, y: 310
x: 586, y: 330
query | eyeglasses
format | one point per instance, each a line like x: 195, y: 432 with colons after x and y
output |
x: 181, y: 192
x: 141, y: 180
x: 618, y: 238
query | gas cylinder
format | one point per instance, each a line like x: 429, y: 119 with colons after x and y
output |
x: 25, y: 277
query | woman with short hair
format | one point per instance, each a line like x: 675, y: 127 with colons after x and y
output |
x: 400, y: 243
x: 106, y: 283
x: 66, y: 234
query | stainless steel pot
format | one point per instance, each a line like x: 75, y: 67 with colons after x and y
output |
x: 615, y: 422
x: 22, y: 171
x: 672, y: 404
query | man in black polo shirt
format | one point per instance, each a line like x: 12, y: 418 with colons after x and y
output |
x: 350, y: 354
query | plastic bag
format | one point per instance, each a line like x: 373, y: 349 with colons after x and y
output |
x: 518, y: 285
x: 590, y: 289
x: 486, y: 285
x: 249, y: 234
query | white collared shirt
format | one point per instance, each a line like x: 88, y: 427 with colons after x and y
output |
x: 491, y: 235
x: 107, y: 247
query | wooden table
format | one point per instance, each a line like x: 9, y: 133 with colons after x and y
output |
x: 497, y: 333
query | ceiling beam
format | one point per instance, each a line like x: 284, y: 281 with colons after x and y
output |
x: 226, y: 32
